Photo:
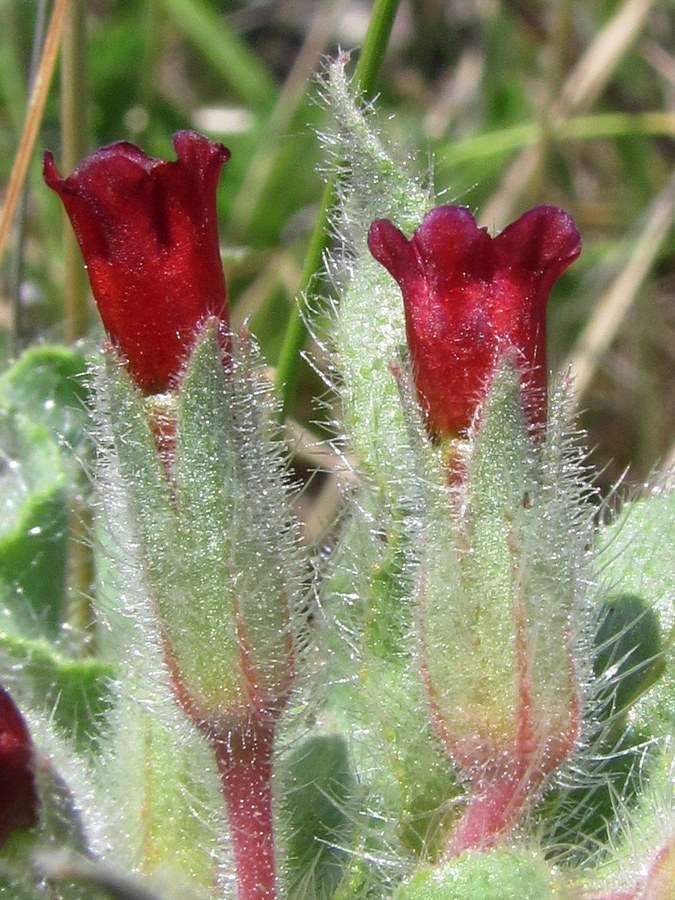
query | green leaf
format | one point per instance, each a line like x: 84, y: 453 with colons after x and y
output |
x: 74, y: 693
x: 636, y: 558
x: 577, y: 818
x: 33, y: 526
x: 628, y: 646
x: 319, y: 799
x: 47, y: 386
x: 640, y: 854
x: 637, y: 551
x: 15, y: 887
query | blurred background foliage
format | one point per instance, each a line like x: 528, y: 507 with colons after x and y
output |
x: 513, y: 102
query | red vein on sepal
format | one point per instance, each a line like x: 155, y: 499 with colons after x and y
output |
x: 242, y: 741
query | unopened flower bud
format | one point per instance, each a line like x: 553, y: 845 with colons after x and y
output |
x: 18, y: 793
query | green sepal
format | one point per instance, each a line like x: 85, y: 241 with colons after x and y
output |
x: 377, y: 692
x: 155, y: 776
x: 492, y: 875
x: 136, y: 472
x: 466, y: 617
x: 502, y: 569
x: 33, y: 528
x: 217, y: 543
x: 429, y: 791
x: 238, y: 540
x: 159, y: 787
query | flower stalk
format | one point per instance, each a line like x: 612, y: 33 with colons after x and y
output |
x: 244, y: 759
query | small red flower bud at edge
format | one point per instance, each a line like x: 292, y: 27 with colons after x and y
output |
x: 18, y: 794
x: 469, y: 298
x: 149, y: 236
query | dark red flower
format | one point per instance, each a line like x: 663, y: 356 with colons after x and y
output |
x: 18, y: 795
x: 148, y: 233
x: 469, y: 298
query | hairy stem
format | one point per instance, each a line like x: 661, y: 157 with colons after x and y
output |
x: 494, y: 807
x: 244, y: 760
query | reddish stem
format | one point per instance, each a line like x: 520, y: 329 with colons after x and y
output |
x: 494, y: 807
x: 244, y: 760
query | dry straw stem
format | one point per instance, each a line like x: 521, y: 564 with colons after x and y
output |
x: 669, y: 464
x: 660, y: 60
x: 580, y: 90
x: 613, y: 307
x: 322, y: 512
x: 33, y: 118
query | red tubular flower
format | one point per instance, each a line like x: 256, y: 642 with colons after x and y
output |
x: 469, y: 298
x: 18, y: 795
x: 148, y: 233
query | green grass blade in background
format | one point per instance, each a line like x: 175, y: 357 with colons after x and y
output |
x: 240, y: 69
